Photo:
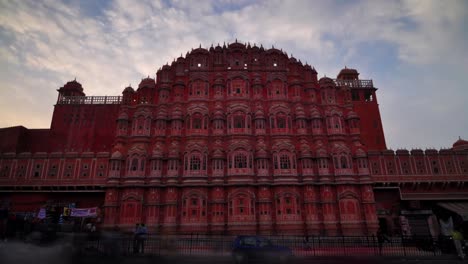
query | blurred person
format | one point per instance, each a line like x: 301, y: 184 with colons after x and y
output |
x: 141, y: 237
x: 381, y: 239
x: 457, y: 237
x: 135, y: 238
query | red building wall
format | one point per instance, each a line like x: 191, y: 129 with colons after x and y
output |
x: 234, y: 139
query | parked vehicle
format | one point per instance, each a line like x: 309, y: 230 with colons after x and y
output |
x: 255, y: 249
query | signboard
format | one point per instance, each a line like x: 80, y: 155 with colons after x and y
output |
x: 83, y: 212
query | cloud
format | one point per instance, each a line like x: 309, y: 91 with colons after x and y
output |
x: 106, y: 46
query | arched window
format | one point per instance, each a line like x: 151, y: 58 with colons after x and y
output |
x: 285, y: 162
x: 344, y: 162
x: 195, y: 163
x: 240, y: 160
x: 287, y: 205
x: 341, y: 161
x: 241, y: 205
x: 198, y: 88
x: 193, y: 208
x: 239, y: 121
x: 134, y: 165
x: 281, y: 121
x: 197, y: 123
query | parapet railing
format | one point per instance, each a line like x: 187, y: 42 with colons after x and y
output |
x: 89, y: 100
x: 355, y: 83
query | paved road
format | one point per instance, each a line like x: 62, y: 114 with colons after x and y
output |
x: 225, y: 260
x: 61, y: 253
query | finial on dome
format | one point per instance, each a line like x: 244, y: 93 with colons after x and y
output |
x: 236, y: 40
x: 200, y: 46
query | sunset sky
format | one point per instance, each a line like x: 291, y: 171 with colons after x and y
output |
x: 415, y: 52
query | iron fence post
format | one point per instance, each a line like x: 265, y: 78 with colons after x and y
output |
x: 313, y: 246
x: 403, y: 245
x: 190, y: 244
x: 344, y: 247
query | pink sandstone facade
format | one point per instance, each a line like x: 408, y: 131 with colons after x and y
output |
x: 228, y: 140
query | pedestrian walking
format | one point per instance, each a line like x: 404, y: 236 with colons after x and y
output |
x: 457, y: 237
x: 381, y: 239
x: 141, y: 238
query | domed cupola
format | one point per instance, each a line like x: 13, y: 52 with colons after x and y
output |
x: 348, y: 74
x: 460, y: 144
x: 128, y: 90
x: 147, y: 82
x: 72, y: 88
x: 326, y: 81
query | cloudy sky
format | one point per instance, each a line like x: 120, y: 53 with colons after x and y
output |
x: 415, y: 52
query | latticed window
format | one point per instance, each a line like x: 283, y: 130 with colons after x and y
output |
x: 115, y: 165
x: 281, y: 122
x: 134, y: 165
x: 344, y: 162
x: 240, y: 161
x: 285, y: 162
x: 323, y: 163
x: 195, y: 163
x: 197, y: 123
x: 316, y: 123
x: 239, y: 122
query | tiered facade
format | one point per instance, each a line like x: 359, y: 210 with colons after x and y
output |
x: 233, y: 139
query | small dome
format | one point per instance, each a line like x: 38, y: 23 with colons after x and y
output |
x: 200, y: 50
x: 218, y: 154
x: 147, y: 82
x: 218, y: 115
x: 326, y: 80
x: 257, y: 81
x: 219, y: 81
x: 305, y: 153
x: 128, y: 89
x: 348, y: 71
x: 460, y: 144
x: 157, y: 153
x: 261, y: 153
x: 123, y: 116
x: 315, y: 114
x: 236, y: 45
x: 116, y: 155
x: 73, y: 85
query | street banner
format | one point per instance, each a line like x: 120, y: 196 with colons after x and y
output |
x: 84, y: 212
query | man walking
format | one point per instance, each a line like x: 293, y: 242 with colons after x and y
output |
x: 141, y: 237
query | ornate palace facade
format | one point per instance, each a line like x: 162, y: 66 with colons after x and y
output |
x: 233, y: 139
